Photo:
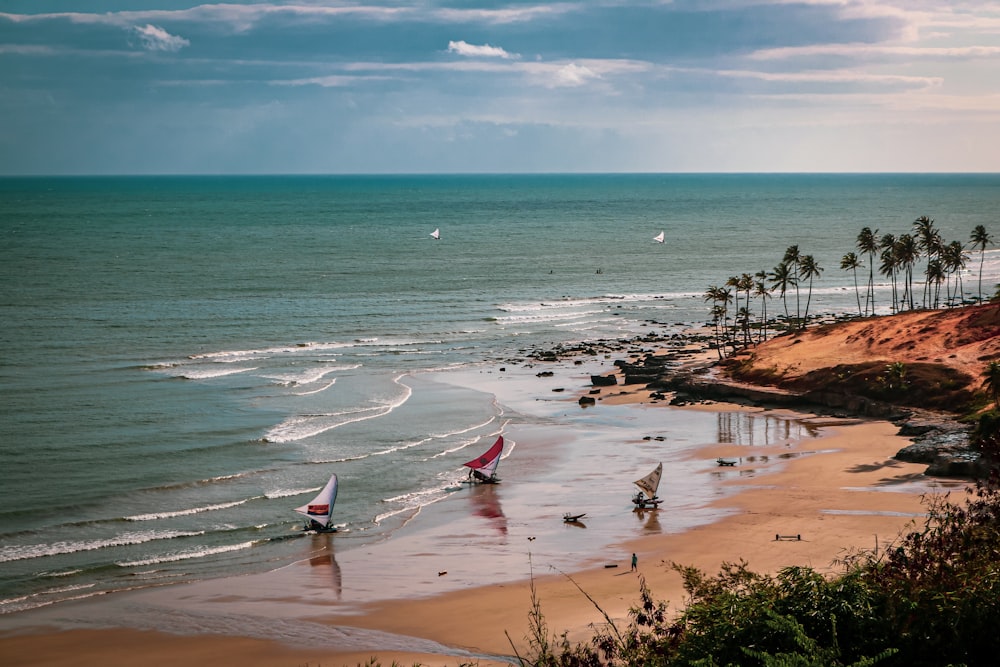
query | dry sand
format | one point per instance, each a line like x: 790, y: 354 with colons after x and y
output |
x: 844, y: 492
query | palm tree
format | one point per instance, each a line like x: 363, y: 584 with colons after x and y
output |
x: 781, y: 277
x: 737, y: 284
x: 867, y: 243
x: 792, y: 258
x: 906, y: 253
x: 743, y: 317
x: 720, y: 298
x: 935, y: 275
x: 953, y: 260
x: 850, y: 262
x: 992, y: 381
x: 929, y: 242
x: 808, y: 268
x: 760, y: 289
x: 980, y: 239
x: 889, y: 265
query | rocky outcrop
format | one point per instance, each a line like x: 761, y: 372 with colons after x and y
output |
x: 944, y: 445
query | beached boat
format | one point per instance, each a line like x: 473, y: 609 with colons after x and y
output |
x: 573, y: 518
x: 484, y: 468
x: 658, y: 238
x: 319, y: 510
x: 436, y: 234
x: 646, y: 497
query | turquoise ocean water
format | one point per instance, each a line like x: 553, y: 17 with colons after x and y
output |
x: 184, y: 359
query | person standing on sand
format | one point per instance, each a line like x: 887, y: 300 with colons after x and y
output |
x: 635, y: 562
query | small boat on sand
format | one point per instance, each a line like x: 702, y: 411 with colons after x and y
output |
x: 646, y: 497
x: 573, y: 518
x: 484, y: 468
x: 319, y: 510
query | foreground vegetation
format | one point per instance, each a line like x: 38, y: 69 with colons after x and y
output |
x: 932, y: 598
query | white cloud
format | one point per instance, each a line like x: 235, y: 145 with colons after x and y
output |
x: 154, y: 38
x: 875, y: 50
x: 573, y: 75
x: 476, y: 51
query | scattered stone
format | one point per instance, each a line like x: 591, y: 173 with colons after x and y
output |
x: 603, y: 380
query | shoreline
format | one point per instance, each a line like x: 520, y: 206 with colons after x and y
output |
x: 842, y: 491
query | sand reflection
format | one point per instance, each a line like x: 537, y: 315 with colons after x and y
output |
x: 328, y: 561
x: 755, y: 429
x: 487, y: 504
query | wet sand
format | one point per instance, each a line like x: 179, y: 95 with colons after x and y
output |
x: 453, y: 585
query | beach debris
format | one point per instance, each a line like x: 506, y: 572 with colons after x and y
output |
x: 778, y: 538
x: 611, y: 565
x: 442, y: 573
x: 726, y: 462
x: 531, y: 539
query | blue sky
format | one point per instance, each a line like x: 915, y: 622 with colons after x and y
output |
x: 450, y: 86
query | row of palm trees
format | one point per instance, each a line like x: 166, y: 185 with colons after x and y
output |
x: 897, y: 258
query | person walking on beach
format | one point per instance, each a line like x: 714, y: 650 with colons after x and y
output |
x: 635, y: 562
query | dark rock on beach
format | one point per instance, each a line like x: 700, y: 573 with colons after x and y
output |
x: 604, y: 380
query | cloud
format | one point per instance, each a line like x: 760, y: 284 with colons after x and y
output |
x: 474, y: 51
x: 870, y: 50
x: 154, y: 38
x: 573, y: 75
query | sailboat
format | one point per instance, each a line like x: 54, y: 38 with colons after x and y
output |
x: 319, y: 510
x: 484, y: 468
x: 658, y: 238
x: 646, y: 497
x: 436, y: 234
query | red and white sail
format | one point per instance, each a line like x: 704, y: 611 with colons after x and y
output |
x: 485, y: 466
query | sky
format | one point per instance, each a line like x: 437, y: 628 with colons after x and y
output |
x: 452, y: 86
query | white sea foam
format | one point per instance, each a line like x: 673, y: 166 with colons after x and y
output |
x: 285, y: 493
x: 187, y: 512
x: 27, y: 551
x: 308, y: 376
x: 186, y: 555
x: 547, y: 316
x: 300, y: 427
x: 416, y: 500
x: 317, y: 390
x: 271, y: 351
x: 207, y: 373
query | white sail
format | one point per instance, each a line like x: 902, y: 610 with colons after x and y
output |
x: 436, y: 234
x: 651, y: 482
x: 320, y: 508
x: 658, y: 238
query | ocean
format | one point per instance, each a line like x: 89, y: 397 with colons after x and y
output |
x: 183, y: 360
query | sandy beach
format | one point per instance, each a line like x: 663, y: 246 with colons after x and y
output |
x: 447, y: 592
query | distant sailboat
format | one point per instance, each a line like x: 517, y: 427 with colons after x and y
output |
x: 320, y: 509
x: 484, y: 468
x: 646, y: 497
x: 436, y: 234
x: 658, y: 238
